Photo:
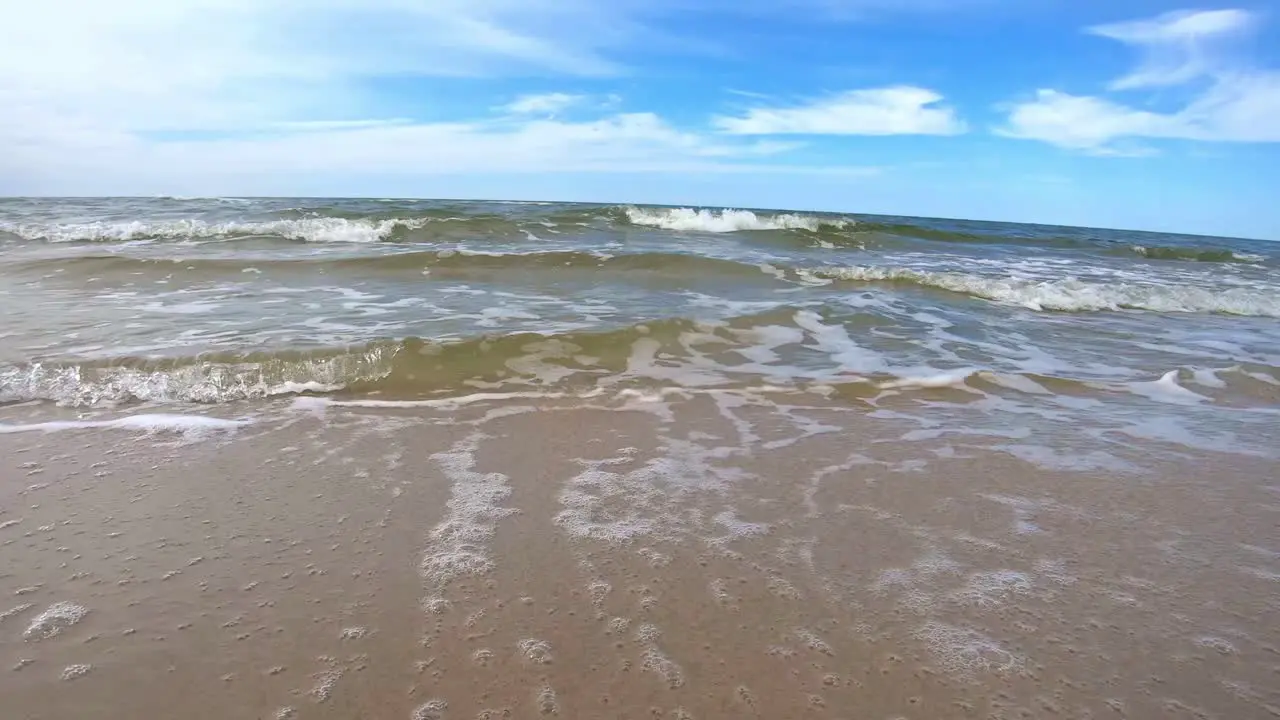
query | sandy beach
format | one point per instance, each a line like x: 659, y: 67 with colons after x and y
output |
x: 706, y: 555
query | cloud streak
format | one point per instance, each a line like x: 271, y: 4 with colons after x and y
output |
x: 899, y: 110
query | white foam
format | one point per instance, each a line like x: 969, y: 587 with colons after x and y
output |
x: 656, y: 662
x: 73, y: 672
x: 75, y: 386
x: 54, y: 620
x: 537, y: 652
x: 1015, y: 382
x: 185, y: 424
x: 319, y: 230
x: 430, y: 710
x: 1207, y: 377
x: 1167, y: 390
x: 727, y: 220
x: 835, y: 341
x: 458, y: 546
x: 546, y: 701
x: 992, y: 588
x: 963, y: 652
x: 739, y: 528
x: 813, y: 641
x: 11, y: 612
x: 951, y: 379
x: 1072, y: 295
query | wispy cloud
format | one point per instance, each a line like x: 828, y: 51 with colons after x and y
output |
x: 1178, y: 46
x: 899, y: 110
x: 620, y: 143
x: 544, y: 104
x: 1238, y: 103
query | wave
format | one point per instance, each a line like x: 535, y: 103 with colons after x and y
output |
x: 1195, y: 254
x: 630, y: 357
x: 410, y: 366
x: 1072, y: 295
x: 320, y: 230
x: 458, y: 222
x: 671, y: 264
x: 729, y: 220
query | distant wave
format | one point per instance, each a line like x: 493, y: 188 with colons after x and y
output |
x: 728, y: 220
x: 320, y: 230
x: 1071, y: 295
x: 532, y: 223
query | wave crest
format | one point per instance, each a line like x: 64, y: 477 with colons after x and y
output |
x: 1072, y: 295
x: 728, y: 220
x: 319, y: 230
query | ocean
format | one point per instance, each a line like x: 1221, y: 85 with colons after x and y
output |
x: 389, y: 458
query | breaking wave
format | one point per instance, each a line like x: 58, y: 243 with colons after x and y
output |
x: 627, y: 357
x: 728, y: 220
x: 1072, y: 295
x: 320, y: 230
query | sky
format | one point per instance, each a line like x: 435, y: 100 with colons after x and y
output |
x: 1107, y: 113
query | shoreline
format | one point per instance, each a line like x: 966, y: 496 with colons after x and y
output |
x: 706, y: 556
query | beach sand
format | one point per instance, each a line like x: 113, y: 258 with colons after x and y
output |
x: 702, y: 556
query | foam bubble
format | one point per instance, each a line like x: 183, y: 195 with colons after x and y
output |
x: 459, y: 544
x: 1217, y: 644
x: 54, y: 620
x: 536, y: 651
x: 991, y: 588
x: 812, y: 641
x: 546, y: 701
x: 430, y: 710
x: 73, y: 672
x: 664, y: 667
x: 648, y: 633
x: 964, y: 652
x: 12, y: 612
x: 325, y: 681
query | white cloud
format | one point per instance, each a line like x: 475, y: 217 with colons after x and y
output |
x: 1178, y: 46
x: 1236, y: 104
x: 544, y: 104
x: 143, y: 90
x: 899, y: 110
x: 155, y: 91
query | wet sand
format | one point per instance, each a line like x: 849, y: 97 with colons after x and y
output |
x: 708, y: 557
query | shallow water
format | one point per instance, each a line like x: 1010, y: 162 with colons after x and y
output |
x: 214, y: 300
x: 397, y: 459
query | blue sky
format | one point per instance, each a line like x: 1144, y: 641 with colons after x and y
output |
x: 1127, y: 113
